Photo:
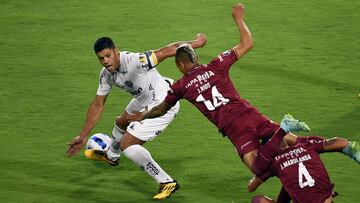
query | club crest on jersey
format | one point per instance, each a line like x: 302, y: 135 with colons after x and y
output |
x: 226, y: 53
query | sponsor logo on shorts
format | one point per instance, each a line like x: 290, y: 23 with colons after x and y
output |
x: 132, y: 126
x: 158, y: 132
x: 246, y: 144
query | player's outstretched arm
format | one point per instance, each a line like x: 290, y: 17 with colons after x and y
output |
x: 170, y: 50
x: 246, y: 41
x: 93, y: 115
x: 156, y: 111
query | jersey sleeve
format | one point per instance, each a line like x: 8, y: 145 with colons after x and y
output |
x: 174, y: 94
x: 104, y: 86
x: 224, y: 60
x: 317, y: 145
x: 146, y: 60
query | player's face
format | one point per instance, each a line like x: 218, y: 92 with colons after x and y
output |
x: 110, y: 59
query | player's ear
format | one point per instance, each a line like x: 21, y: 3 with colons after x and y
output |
x: 182, y: 67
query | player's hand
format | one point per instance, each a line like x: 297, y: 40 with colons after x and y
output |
x: 238, y: 10
x: 201, y: 39
x: 75, y: 145
x: 137, y: 116
x: 253, y: 184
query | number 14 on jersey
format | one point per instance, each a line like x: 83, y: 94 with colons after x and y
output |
x: 217, y: 99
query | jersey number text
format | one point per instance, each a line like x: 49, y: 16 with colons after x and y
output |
x: 217, y: 98
x: 303, y: 172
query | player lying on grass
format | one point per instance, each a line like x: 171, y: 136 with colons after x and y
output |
x: 302, y: 174
x: 209, y: 88
x: 136, y: 74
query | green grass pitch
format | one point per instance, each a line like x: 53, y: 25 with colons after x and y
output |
x: 305, y: 61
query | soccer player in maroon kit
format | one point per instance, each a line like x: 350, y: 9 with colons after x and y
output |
x: 301, y: 172
x: 209, y: 88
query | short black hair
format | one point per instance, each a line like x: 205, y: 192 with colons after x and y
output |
x: 186, y: 54
x: 103, y: 43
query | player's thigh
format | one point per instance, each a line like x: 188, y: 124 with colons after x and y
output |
x: 249, y: 158
x: 122, y: 121
x: 329, y: 199
x: 148, y: 129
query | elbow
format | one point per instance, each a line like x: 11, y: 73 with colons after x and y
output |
x: 246, y: 45
x: 249, y: 44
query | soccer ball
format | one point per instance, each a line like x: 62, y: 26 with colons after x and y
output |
x: 99, y: 141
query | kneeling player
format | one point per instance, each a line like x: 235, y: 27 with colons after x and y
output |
x: 302, y: 174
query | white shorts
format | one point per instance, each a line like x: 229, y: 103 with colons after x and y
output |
x: 148, y: 129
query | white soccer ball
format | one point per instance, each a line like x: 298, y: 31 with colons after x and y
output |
x: 98, y: 141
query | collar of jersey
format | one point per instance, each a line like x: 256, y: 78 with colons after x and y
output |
x: 193, y: 69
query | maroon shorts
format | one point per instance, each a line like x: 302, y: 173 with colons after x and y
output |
x: 246, y: 131
x: 318, y: 195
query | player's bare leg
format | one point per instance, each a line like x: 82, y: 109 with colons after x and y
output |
x: 132, y: 149
x: 329, y: 199
x: 291, y: 138
x: 352, y: 149
x: 267, y: 151
x: 249, y: 158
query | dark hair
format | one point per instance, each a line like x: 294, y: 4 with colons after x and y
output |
x: 103, y: 43
x: 185, y: 53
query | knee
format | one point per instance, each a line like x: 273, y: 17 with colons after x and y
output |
x: 122, y: 122
x: 129, y: 140
x: 124, y: 145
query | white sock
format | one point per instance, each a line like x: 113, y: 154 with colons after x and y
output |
x: 141, y: 157
x: 114, y: 151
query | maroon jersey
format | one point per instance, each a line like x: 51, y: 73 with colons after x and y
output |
x: 210, y: 89
x: 302, y: 173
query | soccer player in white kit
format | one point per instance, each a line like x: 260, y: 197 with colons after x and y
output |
x: 136, y: 74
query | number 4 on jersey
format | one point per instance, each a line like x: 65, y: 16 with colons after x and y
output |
x: 303, y: 172
x: 217, y: 98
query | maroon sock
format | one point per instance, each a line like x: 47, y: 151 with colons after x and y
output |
x: 307, y: 138
x: 267, y: 152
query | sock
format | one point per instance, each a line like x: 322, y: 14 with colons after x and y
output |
x: 267, y: 152
x: 347, y: 151
x: 307, y: 138
x: 141, y: 157
x: 114, y: 151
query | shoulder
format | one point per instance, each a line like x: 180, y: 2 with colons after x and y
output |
x: 127, y: 56
x: 144, y: 60
x: 104, y: 73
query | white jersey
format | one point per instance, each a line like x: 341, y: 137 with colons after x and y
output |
x: 138, y: 76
